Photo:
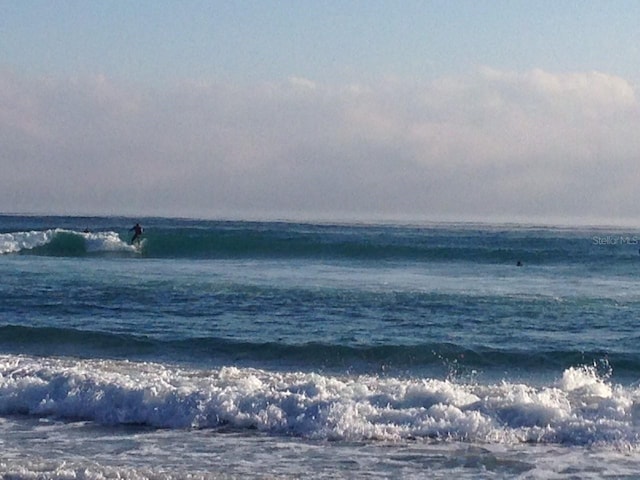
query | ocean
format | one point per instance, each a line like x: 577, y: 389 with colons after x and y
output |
x: 255, y: 350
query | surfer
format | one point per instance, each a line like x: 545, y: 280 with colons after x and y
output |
x: 137, y: 229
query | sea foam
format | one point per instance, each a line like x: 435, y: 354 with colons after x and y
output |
x: 317, y: 406
x: 58, y: 240
x: 14, y: 242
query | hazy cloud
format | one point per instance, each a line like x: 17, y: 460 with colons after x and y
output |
x: 512, y: 145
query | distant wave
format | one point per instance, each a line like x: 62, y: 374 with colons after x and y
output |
x: 60, y: 242
x: 247, y: 240
x: 581, y: 408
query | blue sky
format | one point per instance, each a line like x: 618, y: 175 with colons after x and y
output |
x: 326, y: 40
x: 484, y: 110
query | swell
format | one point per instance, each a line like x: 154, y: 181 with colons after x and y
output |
x: 370, y: 244
x: 450, y: 358
x: 224, y: 240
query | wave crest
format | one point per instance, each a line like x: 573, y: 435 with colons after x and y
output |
x: 313, y: 405
x: 62, y: 242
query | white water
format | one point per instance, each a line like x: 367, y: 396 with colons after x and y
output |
x: 94, y: 242
x: 580, y: 409
x: 66, y: 418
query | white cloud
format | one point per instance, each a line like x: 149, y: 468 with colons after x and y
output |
x: 493, y: 144
x: 302, y: 82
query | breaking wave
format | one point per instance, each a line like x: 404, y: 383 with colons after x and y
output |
x: 60, y: 242
x: 215, y: 240
x: 581, y: 408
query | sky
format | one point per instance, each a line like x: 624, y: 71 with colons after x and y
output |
x: 484, y: 110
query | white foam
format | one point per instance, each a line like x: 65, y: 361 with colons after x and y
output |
x: 74, y: 470
x: 106, y: 242
x: 94, y: 242
x: 17, y: 241
x: 321, y: 407
x: 585, y: 380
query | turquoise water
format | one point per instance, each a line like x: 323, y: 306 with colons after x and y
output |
x: 335, y: 351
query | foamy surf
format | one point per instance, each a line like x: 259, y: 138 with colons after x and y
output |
x: 56, y: 241
x: 580, y: 409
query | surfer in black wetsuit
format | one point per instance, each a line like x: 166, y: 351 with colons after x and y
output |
x: 137, y: 229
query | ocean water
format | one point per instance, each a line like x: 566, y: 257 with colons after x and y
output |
x: 296, y: 350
